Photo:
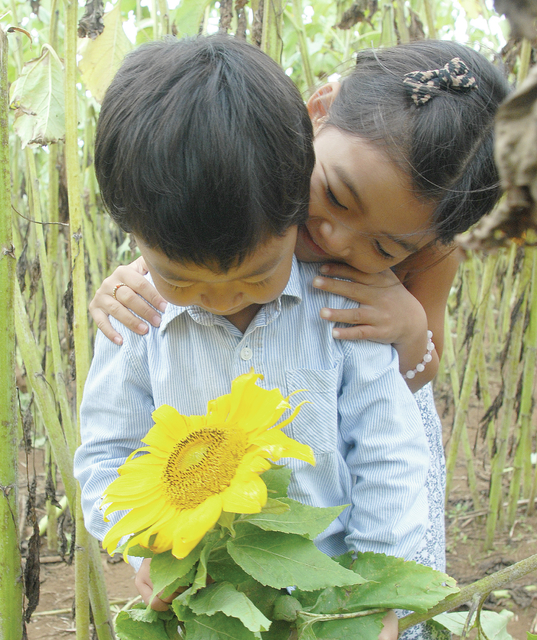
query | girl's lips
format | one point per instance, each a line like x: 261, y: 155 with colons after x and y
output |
x: 310, y: 242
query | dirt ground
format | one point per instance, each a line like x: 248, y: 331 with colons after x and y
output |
x: 466, y: 560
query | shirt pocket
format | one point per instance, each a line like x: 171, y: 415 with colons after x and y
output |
x: 317, y: 422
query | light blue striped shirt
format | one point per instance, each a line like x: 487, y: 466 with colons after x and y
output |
x: 362, y: 424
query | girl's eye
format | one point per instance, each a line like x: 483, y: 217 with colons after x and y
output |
x: 332, y: 198
x: 381, y: 251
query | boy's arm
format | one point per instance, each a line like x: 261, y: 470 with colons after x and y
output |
x: 388, y: 454
x: 115, y: 414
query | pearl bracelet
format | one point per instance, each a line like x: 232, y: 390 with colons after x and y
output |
x: 426, y: 358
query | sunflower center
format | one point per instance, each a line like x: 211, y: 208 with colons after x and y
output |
x: 202, y: 465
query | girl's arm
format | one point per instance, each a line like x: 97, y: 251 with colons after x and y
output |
x: 139, y: 296
x: 396, y: 309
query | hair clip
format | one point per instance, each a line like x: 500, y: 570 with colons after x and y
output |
x: 454, y: 75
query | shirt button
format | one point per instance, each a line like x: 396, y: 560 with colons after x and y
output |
x: 246, y: 353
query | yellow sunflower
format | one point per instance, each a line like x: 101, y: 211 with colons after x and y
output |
x: 195, y: 467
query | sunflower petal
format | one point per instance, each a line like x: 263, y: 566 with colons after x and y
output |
x: 245, y: 497
x: 278, y: 445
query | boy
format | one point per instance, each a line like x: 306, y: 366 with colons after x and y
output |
x: 204, y: 153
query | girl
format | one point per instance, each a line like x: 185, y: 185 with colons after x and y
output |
x: 404, y: 162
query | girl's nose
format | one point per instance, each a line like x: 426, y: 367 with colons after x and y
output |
x: 335, y: 239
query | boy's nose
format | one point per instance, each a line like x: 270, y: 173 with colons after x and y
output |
x: 220, y: 302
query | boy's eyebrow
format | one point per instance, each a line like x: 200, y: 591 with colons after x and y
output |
x: 262, y: 269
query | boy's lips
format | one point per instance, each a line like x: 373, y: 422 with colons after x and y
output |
x: 310, y: 242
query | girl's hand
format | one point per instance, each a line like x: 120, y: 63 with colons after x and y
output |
x: 134, y: 297
x: 388, y: 313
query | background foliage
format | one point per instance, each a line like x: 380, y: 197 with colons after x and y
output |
x: 57, y: 238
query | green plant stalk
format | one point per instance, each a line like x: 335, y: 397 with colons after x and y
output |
x: 429, y: 16
x: 449, y: 357
x: 298, y: 23
x: 522, y: 460
x: 402, y: 26
x: 524, y: 61
x: 459, y: 423
x: 271, y: 39
x: 478, y: 589
x: 47, y: 407
x: 510, y: 376
x: 10, y: 558
x: 530, y: 355
x: 50, y: 299
x: 86, y: 552
x: 388, y: 37
x: 505, y: 303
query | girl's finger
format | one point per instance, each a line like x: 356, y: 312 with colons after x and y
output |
x: 351, y: 290
x: 139, y: 284
x: 127, y: 298
x: 338, y: 270
x: 101, y: 319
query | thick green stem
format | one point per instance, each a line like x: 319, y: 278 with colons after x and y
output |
x: 303, y: 44
x: 52, y: 321
x: 86, y: 551
x: 480, y: 588
x: 510, y: 377
x: 271, y: 41
x: 10, y: 559
x: 469, y: 373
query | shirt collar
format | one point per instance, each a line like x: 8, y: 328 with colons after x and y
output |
x: 292, y: 294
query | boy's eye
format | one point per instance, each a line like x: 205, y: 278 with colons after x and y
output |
x: 382, y: 252
x: 179, y: 286
x: 260, y: 283
x: 332, y: 198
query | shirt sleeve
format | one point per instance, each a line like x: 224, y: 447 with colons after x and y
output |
x: 115, y: 414
x: 387, y: 453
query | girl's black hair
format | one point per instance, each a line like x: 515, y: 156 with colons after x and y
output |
x: 204, y: 149
x: 445, y: 145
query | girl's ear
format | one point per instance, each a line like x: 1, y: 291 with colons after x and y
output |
x: 320, y: 102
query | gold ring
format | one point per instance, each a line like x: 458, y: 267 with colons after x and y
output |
x: 114, y: 291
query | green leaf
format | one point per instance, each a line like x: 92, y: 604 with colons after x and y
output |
x: 143, y: 614
x: 393, y: 584
x: 277, y: 480
x: 493, y: 624
x: 38, y: 98
x: 200, y: 579
x: 222, y: 568
x: 279, y: 630
x: 263, y: 597
x: 137, y: 551
x: 224, y: 597
x: 129, y: 629
x: 189, y: 16
x: 531, y: 636
x: 286, y: 608
x: 167, y: 569
x: 273, y: 506
x: 284, y: 559
x: 299, y: 518
x: 217, y: 627
x: 366, y: 628
x: 102, y: 57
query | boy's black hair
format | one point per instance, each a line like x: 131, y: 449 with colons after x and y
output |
x: 445, y: 145
x: 204, y: 149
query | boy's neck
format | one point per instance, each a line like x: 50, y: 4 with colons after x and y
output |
x: 242, y: 319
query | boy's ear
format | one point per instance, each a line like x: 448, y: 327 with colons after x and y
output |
x: 320, y: 102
